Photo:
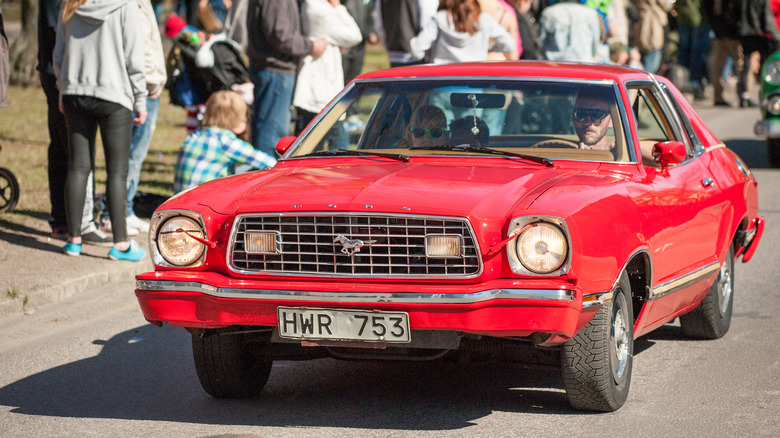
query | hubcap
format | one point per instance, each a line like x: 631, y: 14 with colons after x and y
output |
x: 724, y: 288
x: 619, y: 344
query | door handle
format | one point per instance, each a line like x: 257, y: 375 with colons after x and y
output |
x: 706, y: 182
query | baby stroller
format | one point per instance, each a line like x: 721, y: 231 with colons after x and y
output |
x: 9, y: 190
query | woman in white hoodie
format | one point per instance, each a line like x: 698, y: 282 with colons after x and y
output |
x: 461, y: 32
x: 321, y: 79
x: 99, y: 63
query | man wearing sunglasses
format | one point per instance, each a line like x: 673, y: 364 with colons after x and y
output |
x: 592, y: 120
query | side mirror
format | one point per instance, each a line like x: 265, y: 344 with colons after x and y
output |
x: 284, y: 144
x: 669, y: 152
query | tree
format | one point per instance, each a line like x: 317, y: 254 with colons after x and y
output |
x: 24, y: 51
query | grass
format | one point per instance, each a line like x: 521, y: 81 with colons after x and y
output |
x: 24, y: 139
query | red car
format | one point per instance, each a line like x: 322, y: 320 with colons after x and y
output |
x: 543, y: 212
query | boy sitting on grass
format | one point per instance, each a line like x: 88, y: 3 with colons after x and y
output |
x: 214, y: 150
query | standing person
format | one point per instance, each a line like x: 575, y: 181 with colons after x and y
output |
x: 569, y: 31
x: 397, y: 22
x: 461, y: 32
x: 505, y: 16
x: 363, y: 13
x: 99, y: 63
x: 526, y: 26
x: 694, y: 42
x: 321, y: 79
x: 5, y: 68
x: 57, y: 155
x: 154, y: 72
x: 650, y: 34
x: 276, y: 44
x: 757, y: 33
x: 725, y: 44
x: 213, y: 151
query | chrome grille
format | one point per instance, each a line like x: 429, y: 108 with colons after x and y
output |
x: 398, y: 250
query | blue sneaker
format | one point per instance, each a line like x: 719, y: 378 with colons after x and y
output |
x: 132, y: 254
x: 72, y: 249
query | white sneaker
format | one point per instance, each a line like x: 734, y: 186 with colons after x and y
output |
x: 131, y: 231
x: 137, y: 223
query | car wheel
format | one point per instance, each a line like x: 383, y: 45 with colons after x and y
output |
x: 597, y: 363
x: 712, y: 318
x: 226, y: 364
x: 9, y: 190
x: 773, y: 151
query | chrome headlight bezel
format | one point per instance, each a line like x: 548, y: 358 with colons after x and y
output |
x: 517, y: 264
x: 159, y: 219
x: 773, y: 104
x: 772, y: 71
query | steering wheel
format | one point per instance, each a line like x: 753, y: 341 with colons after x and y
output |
x: 556, y: 143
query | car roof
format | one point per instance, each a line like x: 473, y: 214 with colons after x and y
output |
x: 513, y: 69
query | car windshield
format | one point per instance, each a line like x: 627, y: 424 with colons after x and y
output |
x: 546, y: 119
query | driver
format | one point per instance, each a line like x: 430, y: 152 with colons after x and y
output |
x: 428, y: 127
x: 592, y: 119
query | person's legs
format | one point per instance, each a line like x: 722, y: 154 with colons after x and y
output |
x: 82, y: 128
x: 271, y: 114
x: 57, y: 152
x: 116, y: 124
x: 139, y: 147
x: 719, y: 58
x: 652, y: 60
x: 700, y: 46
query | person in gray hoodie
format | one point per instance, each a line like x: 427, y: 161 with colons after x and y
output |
x: 99, y: 63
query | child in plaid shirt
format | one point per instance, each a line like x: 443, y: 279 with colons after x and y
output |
x: 213, y: 151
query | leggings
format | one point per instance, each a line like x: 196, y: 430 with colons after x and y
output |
x: 83, y: 115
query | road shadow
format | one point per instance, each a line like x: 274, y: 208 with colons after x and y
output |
x: 147, y: 374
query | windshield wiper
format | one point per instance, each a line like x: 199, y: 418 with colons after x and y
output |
x: 345, y: 152
x: 483, y: 150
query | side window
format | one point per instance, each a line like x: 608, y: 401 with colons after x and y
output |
x: 693, y: 138
x: 652, y: 124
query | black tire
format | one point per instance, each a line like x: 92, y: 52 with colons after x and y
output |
x: 712, y: 318
x: 597, y: 363
x: 773, y: 151
x: 226, y: 364
x: 9, y: 190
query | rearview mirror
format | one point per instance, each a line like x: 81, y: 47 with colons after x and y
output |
x: 477, y: 100
x: 668, y: 153
x: 284, y: 144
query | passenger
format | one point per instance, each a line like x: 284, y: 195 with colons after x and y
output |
x: 428, y: 127
x: 591, y: 118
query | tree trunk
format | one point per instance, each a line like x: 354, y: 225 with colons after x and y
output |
x: 24, y: 51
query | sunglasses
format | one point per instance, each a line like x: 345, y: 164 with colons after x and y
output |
x: 433, y: 132
x: 589, y: 114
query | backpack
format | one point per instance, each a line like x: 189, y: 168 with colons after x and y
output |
x: 195, y: 71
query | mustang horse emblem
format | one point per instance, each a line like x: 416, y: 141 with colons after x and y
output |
x: 351, y: 246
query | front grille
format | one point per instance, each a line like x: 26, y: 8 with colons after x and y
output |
x: 398, y: 247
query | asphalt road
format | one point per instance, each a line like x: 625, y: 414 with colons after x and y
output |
x: 92, y: 367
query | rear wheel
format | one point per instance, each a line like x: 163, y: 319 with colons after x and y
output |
x: 597, y: 363
x: 712, y: 318
x: 228, y: 365
x: 773, y: 151
x: 9, y: 190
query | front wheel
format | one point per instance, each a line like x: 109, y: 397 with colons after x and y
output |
x: 773, y: 151
x: 596, y: 364
x: 712, y: 318
x: 228, y: 365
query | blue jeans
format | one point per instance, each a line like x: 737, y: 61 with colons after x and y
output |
x: 139, y: 146
x: 692, y: 51
x: 271, y: 114
x: 652, y: 60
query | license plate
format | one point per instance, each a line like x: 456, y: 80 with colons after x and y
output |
x: 344, y: 325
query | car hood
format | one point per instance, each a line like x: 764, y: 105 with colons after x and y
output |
x: 477, y: 189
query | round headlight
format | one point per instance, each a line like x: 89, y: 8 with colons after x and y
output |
x: 773, y: 104
x: 773, y: 71
x: 175, y: 244
x: 542, y: 248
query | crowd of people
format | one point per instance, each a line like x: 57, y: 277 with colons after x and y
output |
x: 300, y: 53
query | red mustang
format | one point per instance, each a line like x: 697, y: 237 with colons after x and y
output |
x: 547, y: 212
